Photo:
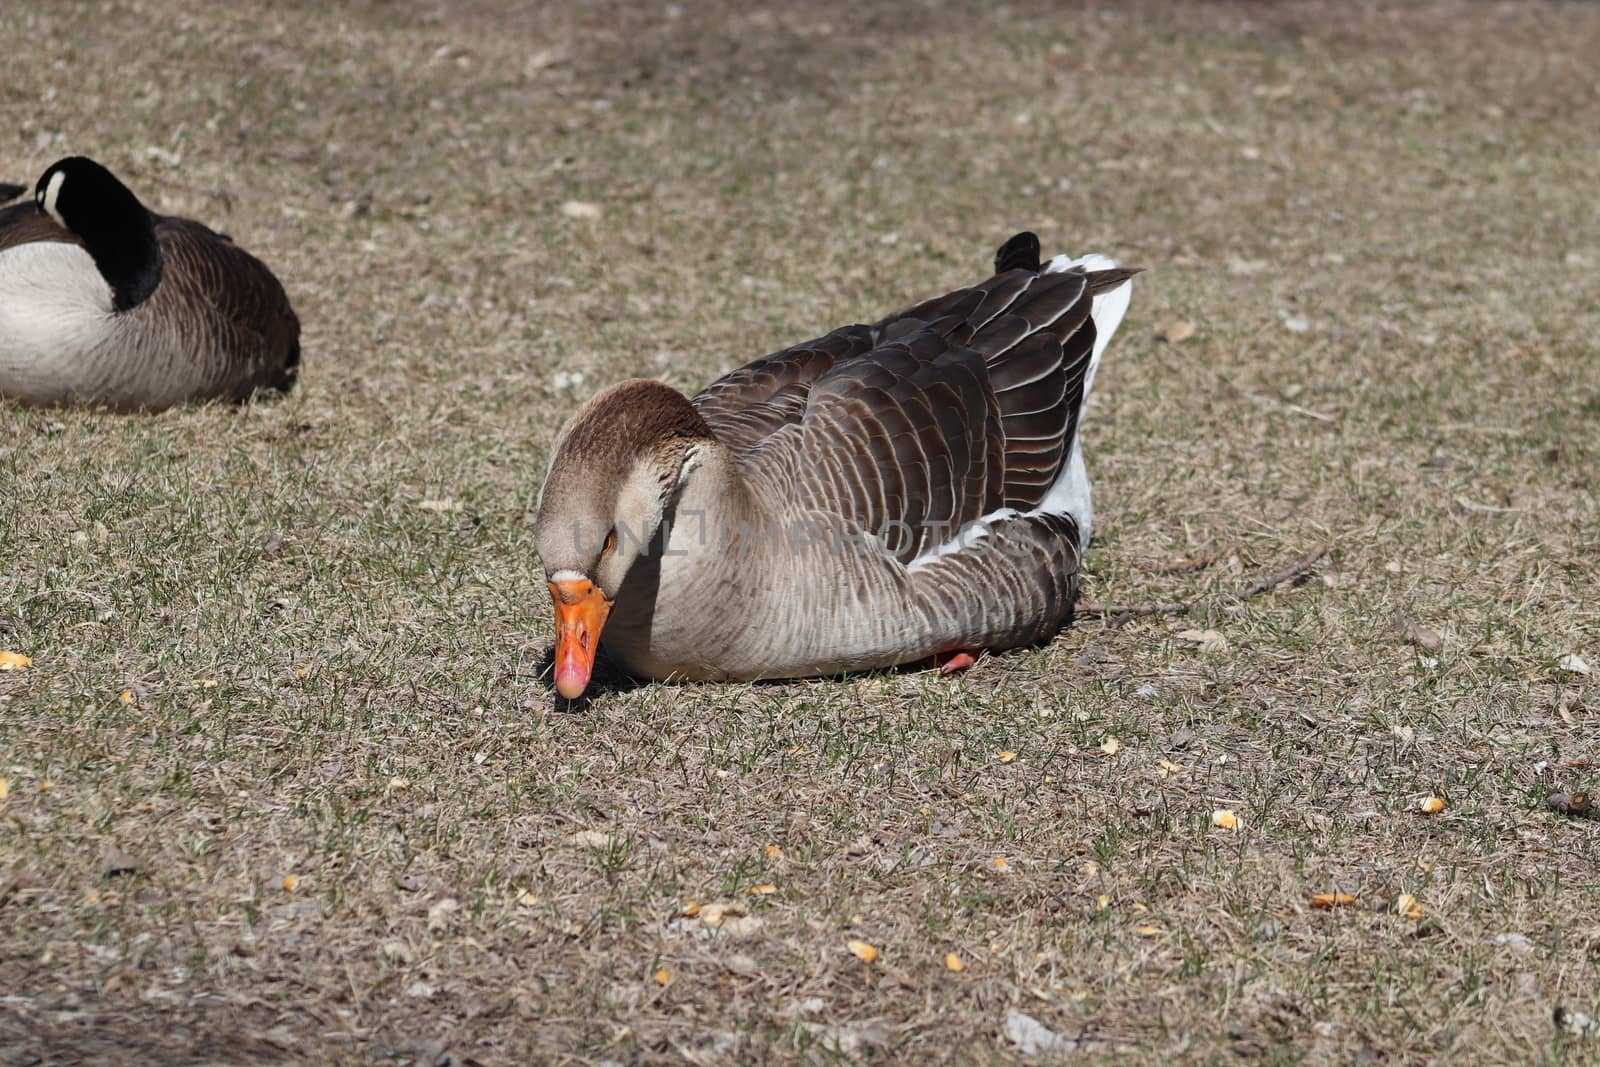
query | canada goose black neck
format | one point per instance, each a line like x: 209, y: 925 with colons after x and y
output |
x: 117, y: 230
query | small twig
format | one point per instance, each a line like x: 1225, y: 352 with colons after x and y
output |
x: 1193, y: 563
x: 1469, y: 505
x: 1467, y: 427
x: 1109, y: 611
x: 1121, y: 613
x: 1308, y: 413
x: 1272, y: 581
x: 1581, y: 763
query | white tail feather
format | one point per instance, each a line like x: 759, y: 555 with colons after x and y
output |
x: 1070, y: 494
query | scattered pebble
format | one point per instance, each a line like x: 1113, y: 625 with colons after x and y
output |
x: 1423, y: 637
x: 1208, y: 640
x: 117, y: 861
x: 1575, y: 1022
x: 1517, y: 943
x: 1178, y: 330
x: 1569, y: 803
x: 1034, y: 1038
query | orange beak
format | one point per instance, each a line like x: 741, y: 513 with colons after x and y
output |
x: 581, y: 611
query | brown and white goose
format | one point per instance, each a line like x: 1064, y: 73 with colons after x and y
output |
x: 104, y: 302
x: 885, y: 494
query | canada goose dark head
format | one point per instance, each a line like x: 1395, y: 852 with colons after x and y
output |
x: 117, y: 231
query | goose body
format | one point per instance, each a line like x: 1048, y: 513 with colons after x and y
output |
x: 877, y: 496
x: 103, y: 302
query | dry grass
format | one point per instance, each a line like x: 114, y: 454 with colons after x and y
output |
x: 1411, y: 184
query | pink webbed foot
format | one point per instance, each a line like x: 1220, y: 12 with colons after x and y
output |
x: 951, y: 662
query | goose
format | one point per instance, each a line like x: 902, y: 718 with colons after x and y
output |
x: 908, y: 490
x: 106, y: 303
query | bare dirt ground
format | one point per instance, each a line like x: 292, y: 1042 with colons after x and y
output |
x: 286, y: 784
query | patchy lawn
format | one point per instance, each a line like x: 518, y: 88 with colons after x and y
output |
x: 286, y: 780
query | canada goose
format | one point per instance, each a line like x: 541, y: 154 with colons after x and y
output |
x: 103, y: 302
x: 881, y: 495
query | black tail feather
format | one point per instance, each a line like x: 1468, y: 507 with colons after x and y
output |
x: 10, y: 191
x: 1019, y: 253
x: 1103, y: 281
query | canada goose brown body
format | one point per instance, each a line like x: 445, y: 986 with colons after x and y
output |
x: 882, y: 494
x: 103, y: 302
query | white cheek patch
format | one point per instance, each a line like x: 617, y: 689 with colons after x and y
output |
x: 52, y: 191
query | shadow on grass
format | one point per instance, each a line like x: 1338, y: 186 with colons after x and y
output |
x: 608, y: 680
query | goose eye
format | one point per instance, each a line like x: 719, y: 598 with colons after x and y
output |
x: 610, y: 544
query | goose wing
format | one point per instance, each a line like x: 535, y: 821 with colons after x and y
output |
x: 23, y: 223
x: 914, y: 426
x: 234, y: 298
x: 747, y: 406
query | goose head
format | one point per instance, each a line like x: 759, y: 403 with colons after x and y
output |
x: 117, y: 230
x: 615, y: 471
